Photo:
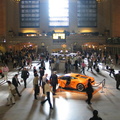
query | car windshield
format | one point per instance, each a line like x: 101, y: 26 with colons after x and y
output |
x: 73, y: 78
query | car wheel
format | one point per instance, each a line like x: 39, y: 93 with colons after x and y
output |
x: 80, y: 87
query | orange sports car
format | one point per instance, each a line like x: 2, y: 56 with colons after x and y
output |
x: 75, y: 81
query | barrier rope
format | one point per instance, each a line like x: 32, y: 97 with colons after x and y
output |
x: 101, y: 83
x: 2, y: 82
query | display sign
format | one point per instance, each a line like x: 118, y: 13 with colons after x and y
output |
x: 59, y: 36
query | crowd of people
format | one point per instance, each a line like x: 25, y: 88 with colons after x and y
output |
x: 23, y: 58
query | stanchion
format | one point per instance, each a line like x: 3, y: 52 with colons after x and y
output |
x: 103, y: 85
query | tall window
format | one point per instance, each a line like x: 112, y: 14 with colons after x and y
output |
x: 59, y: 13
x: 29, y: 13
x: 87, y: 13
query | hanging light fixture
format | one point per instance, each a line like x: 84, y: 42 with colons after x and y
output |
x: 16, y: 1
x: 98, y: 1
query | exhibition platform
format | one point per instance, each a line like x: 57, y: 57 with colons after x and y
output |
x: 67, y: 104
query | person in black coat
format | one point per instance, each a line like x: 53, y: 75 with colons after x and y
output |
x: 24, y: 75
x: 89, y: 91
x: 41, y: 71
x: 15, y: 82
x: 54, y: 81
x: 35, y: 71
x: 117, y: 78
x: 95, y: 116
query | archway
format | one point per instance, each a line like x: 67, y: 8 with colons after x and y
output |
x: 21, y: 46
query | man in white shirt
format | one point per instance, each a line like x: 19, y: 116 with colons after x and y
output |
x: 47, y: 92
x: 44, y: 78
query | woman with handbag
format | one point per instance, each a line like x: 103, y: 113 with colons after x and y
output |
x: 12, y: 90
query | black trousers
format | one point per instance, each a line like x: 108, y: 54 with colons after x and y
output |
x: 66, y: 69
x: 83, y: 70
x: 43, y: 84
x: 117, y: 84
x: 17, y: 91
x: 89, y: 67
x: 40, y: 79
x: 25, y: 83
x: 36, y: 91
x: 89, y: 98
x: 48, y: 99
x: 54, y: 89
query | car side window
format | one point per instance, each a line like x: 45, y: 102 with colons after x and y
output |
x: 63, y: 78
x: 73, y: 78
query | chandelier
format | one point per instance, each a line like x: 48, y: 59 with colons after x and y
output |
x: 16, y: 0
x: 99, y: 1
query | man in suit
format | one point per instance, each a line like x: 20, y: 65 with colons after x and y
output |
x: 15, y: 82
x: 25, y: 75
x: 54, y: 81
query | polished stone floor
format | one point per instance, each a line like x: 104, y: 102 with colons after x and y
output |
x: 68, y: 105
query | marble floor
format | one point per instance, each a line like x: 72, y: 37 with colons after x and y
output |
x: 67, y: 105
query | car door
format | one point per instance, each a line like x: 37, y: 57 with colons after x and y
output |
x: 62, y: 81
x: 72, y: 82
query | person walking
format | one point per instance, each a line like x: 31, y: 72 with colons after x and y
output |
x: 47, y: 92
x: 117, y: 78
x: 41, y: 71
x: 112, y: 71
x: 57, y: 63
x: 5, y: 71
x: 25, y: 75
x: 44, y: 78
x: 90, y: 65
x: 34, y: 71
x: 35, y: 86
x: 69, y: 65
x: 95, y: 116
x: 54, y: 81
x: 10, y: 97
x: 83, y: 65
x: 76, y: 64
x: 89, y: 91
x: 66, y: 67
x: 15, y: 82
